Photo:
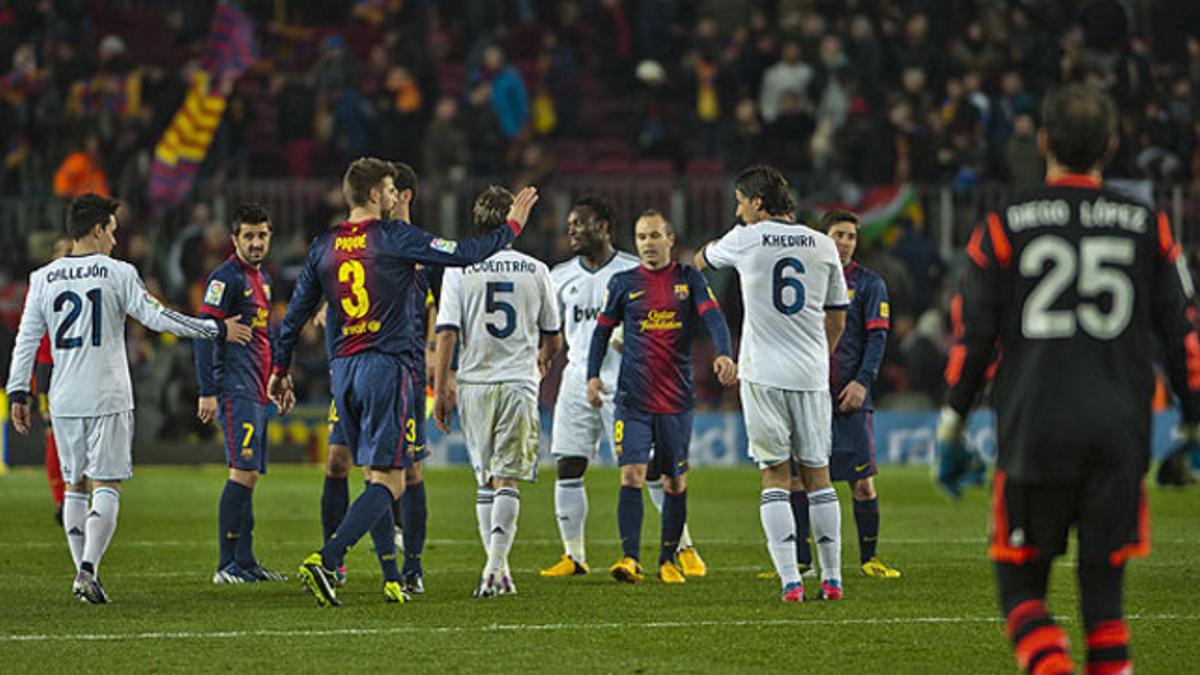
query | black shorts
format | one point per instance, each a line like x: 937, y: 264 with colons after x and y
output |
x: 1031, y: 522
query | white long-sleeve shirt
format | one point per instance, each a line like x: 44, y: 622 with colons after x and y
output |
x: 83, y: 301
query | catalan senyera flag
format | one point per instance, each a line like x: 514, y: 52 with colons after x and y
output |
x: 229, y: 51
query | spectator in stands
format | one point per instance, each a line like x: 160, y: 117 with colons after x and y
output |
x: 445, y: 146
x: 790, y: 74
x: 82, y: 171
x: 485, y: 138
x: 508, y: 97
x: 1023, y: 163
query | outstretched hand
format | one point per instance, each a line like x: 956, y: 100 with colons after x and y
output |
x: 522, y: 205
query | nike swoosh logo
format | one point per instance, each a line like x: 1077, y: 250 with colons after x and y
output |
x: 248, y: 292
x: 862, y: 467
x: 636, y: 294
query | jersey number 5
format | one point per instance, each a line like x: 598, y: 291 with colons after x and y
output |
x: 61, y: 341
x: 356, y: 305
x: 494, y: 304
x: 1093, y: 275
x: 780, y: 283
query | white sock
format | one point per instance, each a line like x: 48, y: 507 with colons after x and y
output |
x: 656, y: 497
x: 826, y: 517
x: 75, y: 510
x: 101, y: 523
x: 483, y: 515
x: 570, y: 507
x: 507, y: 506
x: 776, y: 512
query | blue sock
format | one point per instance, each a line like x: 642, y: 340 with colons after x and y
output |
x: 335, y: 499
x: 244, y: 553
x: 674, y: 515
x: 229, y: 520
x: 866, y: 517
x: 414, y: 512
x: 385, y: 545
x: 629, y: 520
x: 803, y: 530
x: 362, y: 516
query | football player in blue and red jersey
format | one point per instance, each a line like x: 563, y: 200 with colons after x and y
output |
x: 853, y: 369
x: 233, y: 389
x: 660, y: 304
x: 365, y: 268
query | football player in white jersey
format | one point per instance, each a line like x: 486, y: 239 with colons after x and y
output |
x: 506, y: 314
x: 82, y: 299
x: 795, y: 310
x: 579, y: 284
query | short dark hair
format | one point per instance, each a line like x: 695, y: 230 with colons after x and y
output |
x: 87, y: 211
x: 491, y: 208
x: 405, y: 177
x: 768, y: 184
x: 1080, y: 122
x: 363, y: 175
x: 833, y: 217
x: 599, y: 205
x: 249, y: 213
x: 655, y: 213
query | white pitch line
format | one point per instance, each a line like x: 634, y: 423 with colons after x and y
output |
x: 548, y: 627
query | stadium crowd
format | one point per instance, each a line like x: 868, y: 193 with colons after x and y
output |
x: 837, y: 94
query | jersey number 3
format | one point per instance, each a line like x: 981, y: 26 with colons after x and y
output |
x: 356, y: 305
x: 61, y: 341
x: 1093, y: 274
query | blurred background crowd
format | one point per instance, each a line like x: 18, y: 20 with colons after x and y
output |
x: 921, y: 112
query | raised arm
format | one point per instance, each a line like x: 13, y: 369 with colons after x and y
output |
x: 422, y: 247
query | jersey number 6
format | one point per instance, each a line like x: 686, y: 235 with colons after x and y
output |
x: 779, y: 283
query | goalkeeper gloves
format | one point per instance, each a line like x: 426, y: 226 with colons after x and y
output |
x: 956, y: 464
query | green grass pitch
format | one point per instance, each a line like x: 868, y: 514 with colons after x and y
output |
x: 167, y: 616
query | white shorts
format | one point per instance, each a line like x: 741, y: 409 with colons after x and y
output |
x: 578, y: 427
x: 100, y: 448
x: 502, y: 430
x: 783, y: 424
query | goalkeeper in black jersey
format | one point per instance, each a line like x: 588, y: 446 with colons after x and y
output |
x: 1070, y: 285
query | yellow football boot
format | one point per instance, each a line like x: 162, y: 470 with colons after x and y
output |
x: 394, y: 592
x: 878, y: 569
x: 691, y: 563
x: 628, y: 570
x: 669, y: 573
x: 566, y: 567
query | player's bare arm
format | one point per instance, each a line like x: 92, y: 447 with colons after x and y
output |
x: 835, y: 325
x: 444, y: 393
x: 549, y: 345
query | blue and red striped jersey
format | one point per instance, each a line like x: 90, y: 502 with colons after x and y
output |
x: 660, y: 310
x: 224, y: 368
x: 367, y: 273
x: 859, y: 352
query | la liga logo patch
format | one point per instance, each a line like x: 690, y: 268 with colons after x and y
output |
x: 214, y: 293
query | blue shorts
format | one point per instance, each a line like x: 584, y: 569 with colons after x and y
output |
x: 661, y: 438
x: 244, y: 423
x: 853, y: 455
x: 336, y: 437
x: 380, y: 414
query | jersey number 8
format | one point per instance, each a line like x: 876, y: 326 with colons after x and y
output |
x: 1092, y: 272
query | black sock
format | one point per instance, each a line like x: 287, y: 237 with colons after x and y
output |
x: 361, y: 517
x: 674, y: 515
x: 335, y: 499
x: 244, y: 553
x: 229, y: 520
x: 415, y: 512
x: 383, y: 535
x: 629, y: 521
x: 803, y: 529
x: 866, y: 517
